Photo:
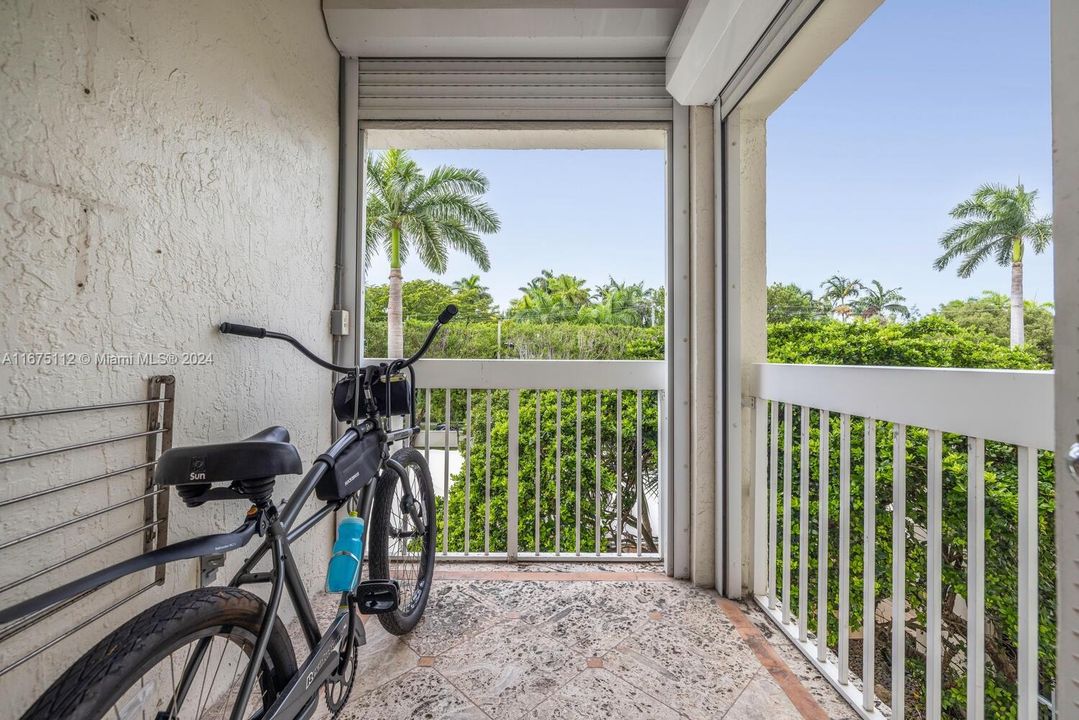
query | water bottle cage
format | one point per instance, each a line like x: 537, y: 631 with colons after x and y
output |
x: 346, y: 553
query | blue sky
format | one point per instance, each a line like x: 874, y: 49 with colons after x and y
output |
x: 590, y: 213
x: 925, y: 102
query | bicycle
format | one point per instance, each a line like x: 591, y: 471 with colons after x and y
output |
x: 132, y: 672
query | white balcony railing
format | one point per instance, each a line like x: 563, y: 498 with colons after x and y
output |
x: 544, y: 459
x: 937, y: 530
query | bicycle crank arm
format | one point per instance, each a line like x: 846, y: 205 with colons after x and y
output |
x: 304, y: 686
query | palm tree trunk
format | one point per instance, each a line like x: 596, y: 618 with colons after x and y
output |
x: 395, y: 340
x: 1017, y: 335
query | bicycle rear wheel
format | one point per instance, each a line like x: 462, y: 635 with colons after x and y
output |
x: 135, y: 672
x: 398, y: 551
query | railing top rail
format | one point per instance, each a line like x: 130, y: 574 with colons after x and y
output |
x: 1010, y: 406
x: 541, y: 374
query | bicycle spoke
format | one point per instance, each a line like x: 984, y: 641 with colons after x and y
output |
x: 141, y: 698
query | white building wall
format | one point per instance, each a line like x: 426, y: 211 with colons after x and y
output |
x: 163, y: 167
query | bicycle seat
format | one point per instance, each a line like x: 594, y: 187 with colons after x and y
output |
x: 249, y: 466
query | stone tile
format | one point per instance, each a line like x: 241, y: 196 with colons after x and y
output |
x: 700, y: 676
x: 821, y: 690
x: 383, y: 658
x: 419, y: 693
x: 453, y: 614
x: 532, y: 602
x: 552, y: 567
x: 566, y: 648
x: 599, y: 695
x: 694, y: 608
x: 595, y: 617
x: 762, y: 699
x: 509, y: 668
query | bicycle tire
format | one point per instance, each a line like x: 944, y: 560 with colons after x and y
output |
x: 98, y: 681
x: 414, y: 598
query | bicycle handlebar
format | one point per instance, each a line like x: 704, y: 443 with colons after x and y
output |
x: 444, y: 317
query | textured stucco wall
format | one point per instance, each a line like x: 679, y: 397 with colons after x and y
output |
x: 164, y: 166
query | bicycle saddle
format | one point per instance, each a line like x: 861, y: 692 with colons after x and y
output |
x: 249, y: 466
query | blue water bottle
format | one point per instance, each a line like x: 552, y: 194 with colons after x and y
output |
x: 343, y: 573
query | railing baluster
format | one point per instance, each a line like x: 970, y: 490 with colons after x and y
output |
x: 513, y: 449
x: 976, y: 579
x: 760, y: 493
x: 577, y: 496
x: 558, y: 475
x: 539, y: 433
x: 640, y: 476
x: 468, y: 466
x: 773, y: 501
x: 427, y: 426
x: 1028, y: 583
x: 869, y: 568
x: 618, y: 470
x: 599, y: 443
x: 822, y: 539
x: 934, y: 503
x: 487, y: 483
x: 899, y: 571
x: 446, y: 475
x: 787, y: 444
x: 844, y: 548
x: 803, y: 528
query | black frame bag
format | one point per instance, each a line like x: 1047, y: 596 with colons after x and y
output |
x: 354, y: 468
x: 398, y: 403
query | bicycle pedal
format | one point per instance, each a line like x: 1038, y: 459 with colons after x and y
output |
x: 374, y: 597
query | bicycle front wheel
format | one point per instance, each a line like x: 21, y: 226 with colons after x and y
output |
x: 399, y: 549
x: 137, y: 670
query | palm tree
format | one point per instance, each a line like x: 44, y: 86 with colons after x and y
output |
x: 570, y: 290
x: 408, y: 211
x: 876, y: 301
x: 621, y: 304
x: 539, y: 282
x: 837, y: 290
x: 997, y: 221
x: 538, y: 306
x: 467, y: 284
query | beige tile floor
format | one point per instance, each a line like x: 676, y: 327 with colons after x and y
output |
x: 615, y: 641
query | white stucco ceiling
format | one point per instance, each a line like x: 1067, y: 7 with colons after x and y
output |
x: 502, y: 28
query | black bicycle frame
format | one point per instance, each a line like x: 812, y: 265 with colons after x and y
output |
x: 275, y: 526
x: 279, y: 530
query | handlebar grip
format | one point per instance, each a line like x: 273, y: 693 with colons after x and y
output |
x: 447, y: 314
x: 245, y: 330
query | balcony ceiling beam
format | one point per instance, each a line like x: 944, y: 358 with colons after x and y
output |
x: 502, y: 28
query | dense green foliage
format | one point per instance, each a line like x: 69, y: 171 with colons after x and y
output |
x: 989, y: 314
x: 561, y: 341
x: 787, y: 301
x: 606, y: 516
x: 423, y: 300
x: 929, y: 342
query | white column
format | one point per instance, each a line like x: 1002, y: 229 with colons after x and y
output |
x: 705, y: 536
x: 743, y: 323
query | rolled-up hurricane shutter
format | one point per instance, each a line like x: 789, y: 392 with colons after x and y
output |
x: 516, y: 90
